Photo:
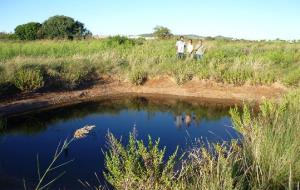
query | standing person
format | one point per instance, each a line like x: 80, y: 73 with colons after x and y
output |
x: 180, y: 46
x: 190, y: 48
x: 200, y: 50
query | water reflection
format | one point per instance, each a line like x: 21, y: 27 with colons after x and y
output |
x: 185, y: 113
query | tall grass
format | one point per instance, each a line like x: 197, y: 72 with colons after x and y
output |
x: 234, y: 62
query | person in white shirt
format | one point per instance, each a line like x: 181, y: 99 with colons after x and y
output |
x: 200, y: 50
x: 180, y: 46
x: 190, y: 48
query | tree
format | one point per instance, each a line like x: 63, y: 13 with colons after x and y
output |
x: 63, y: 27
x: 162, y: 32
x: 28, y: 31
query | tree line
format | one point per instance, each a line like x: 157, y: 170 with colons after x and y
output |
x: 55, y: 27
x: 63, y: 27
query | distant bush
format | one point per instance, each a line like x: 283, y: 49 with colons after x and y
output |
x: 120, y: 40
x: 29, y: 31
x: 162, y: 32
x: 28, y: 78
x: 8, y: 36
x: 63, y: 27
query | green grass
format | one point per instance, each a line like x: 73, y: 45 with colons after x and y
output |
x: 268, y: 157
x: 69, y: 64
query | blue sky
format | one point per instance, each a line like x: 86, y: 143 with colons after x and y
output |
x: 249, y: 19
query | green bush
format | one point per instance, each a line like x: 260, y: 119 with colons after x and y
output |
x: 63, y: 27
x: 28, y: 78
x: 72, y: 75
x: 29, y: 31
x: 137, y: 166
x: 119, y: 40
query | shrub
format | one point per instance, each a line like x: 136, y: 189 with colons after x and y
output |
x: 213, y: 167
x: 137, y: 166
x: 137, y: 77
x: 162, y: 32
x: 72, y: 75
x: 63, y: 27
x: 28, y: 78
x: 119, y: 40
x: 29, y: 31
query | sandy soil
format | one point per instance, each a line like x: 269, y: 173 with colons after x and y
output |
x: 206, y: 91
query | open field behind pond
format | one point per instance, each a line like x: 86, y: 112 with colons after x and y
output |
x: 48, y: 65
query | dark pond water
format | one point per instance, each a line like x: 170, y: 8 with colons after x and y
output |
x: 175, y: 122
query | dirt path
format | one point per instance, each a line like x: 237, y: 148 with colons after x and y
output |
x: 163, y: 86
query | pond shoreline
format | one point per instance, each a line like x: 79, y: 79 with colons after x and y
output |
x: 161, y: 87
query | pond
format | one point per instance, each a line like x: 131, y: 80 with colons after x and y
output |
x: 176, y: 122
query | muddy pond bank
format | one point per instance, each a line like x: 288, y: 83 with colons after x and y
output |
x: 164, y: 87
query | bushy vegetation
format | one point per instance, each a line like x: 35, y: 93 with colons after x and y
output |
x: 28, y: 78
x: 268, y: 156
x: 63, y: 27
x: 73, y: 63
x: 29, y: 31
x: 56, y: 27
x: 162, y: 32
x: 137, y: 166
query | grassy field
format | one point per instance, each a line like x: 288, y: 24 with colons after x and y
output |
x: 267, y: 158
x: 40, y: 65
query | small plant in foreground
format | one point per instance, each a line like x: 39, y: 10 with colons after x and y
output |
x: 137, y: 166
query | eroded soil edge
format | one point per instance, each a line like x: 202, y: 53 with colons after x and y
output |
x: 163, y: 87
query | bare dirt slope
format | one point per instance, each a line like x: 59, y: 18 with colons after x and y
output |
x: 163, y: 86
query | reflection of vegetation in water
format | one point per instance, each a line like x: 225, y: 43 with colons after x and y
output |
x: 26, y: 125
x: 3, y: 123
x: 37, y: 122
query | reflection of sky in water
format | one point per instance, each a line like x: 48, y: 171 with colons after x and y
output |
x: 35, y: 134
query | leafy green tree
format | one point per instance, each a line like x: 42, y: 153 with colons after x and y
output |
x: 28, y: 31
x: 63, y: 27
x: 162, y: 32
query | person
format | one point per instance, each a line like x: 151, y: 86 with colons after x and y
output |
x: 190, y: 48
x: 200, y: 50
x: 180, y: 46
